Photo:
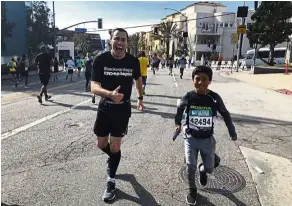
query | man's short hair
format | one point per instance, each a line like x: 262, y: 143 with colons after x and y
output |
x: 143, y: 54
x: 120, y: 30
x: 203, y: 69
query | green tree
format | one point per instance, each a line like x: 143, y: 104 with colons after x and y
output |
x: 39, y: 25
x: 81, y: 42
x: 135, y: 42
x: 6, y: 27
x: 168, y: 31
x: 271, y: 26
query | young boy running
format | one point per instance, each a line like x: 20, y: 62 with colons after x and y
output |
x: 201, y: 106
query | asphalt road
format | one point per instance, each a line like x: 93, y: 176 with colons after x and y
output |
x: 49, y: 156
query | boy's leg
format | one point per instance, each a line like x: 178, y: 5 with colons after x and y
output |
x: 207, y: 150
x: 191, y: 154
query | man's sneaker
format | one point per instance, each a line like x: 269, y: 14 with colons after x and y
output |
x: 93, y: 100
x: 40, y: 99
x: 109, y: 193
x: 26, y: 87
x: 192, y: 197
x: 48, y: 97
x: 203, y: 176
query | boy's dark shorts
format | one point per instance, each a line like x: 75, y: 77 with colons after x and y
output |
x: 70, y: 71
x: 114, y: 124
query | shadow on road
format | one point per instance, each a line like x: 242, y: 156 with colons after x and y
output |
x: 257, y: 120
x: 202, y: 200
x: 164, y: 115
x: 236, y: 201
x: 3, y: 204
x: 144, y: 197
x: 163, y: 96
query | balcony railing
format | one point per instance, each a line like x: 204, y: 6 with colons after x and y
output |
x: 205, y: 48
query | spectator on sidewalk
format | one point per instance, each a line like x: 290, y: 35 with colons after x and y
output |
x: 12, y: 69
x: 23, y: 67
x: 56, y: 68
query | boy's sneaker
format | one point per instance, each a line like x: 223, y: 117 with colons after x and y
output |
x: 109, y: 193
x: 217, y: 161
x: 192, y: 197
x: 203, y: 175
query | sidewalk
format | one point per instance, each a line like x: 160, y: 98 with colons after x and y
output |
x: 268, y: 81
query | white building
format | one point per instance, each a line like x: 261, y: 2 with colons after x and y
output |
x: 213, y: 23
x: 65, y: 49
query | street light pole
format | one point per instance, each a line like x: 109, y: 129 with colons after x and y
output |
x: 54, y: 29
x: 186, y: 21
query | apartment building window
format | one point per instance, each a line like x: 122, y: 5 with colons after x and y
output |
x: 230, y: 25
x: 225, y: 25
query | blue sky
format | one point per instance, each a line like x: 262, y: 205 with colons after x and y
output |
x: 122, y: 13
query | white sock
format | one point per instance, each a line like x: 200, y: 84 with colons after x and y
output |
x: 202, y: 168
x: 111, y: 180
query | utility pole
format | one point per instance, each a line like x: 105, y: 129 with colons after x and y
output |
x: 243, y: 16
x: 54, y: 29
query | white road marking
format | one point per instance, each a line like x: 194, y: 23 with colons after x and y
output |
x: 174, y: 80
x: 27, y: 126
x: 259, y: 170
x: 177, y: 102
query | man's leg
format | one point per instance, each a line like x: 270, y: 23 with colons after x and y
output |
x: 119, y: 130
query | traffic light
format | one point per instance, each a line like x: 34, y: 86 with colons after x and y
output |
x: 99, y: 23
x: 256, y: 4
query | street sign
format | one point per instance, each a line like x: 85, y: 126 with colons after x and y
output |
x: 234, y: 38
x: 81, y: 30
x: 241, y: 29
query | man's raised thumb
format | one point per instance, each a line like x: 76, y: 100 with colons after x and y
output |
x: 118, y: 88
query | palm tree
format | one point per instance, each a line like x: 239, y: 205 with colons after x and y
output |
x: 168, y: 31
x: 135, y: 42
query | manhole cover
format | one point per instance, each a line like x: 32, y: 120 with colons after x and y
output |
x: 222, y: 180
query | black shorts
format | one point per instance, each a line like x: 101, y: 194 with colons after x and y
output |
x: 113, y: 124
x: 79, y: 68
x: 70, y: 71
x: 44, y: 79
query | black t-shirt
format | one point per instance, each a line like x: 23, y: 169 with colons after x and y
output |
x: 44, y: 62
x: 111, y: 73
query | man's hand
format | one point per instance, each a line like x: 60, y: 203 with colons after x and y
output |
x: 140, y: 105
x: 116, y: 96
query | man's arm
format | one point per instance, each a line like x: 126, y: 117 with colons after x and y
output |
x: 138, y: 78
x: 180, y: 109
x: 97, y: 89
x: 226, y: 116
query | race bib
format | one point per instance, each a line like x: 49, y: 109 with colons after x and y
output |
x: 200, y: 117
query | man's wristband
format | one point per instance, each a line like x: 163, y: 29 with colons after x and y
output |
x: 140, y: 98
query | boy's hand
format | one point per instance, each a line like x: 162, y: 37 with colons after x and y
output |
x: 234, y: 137
x: 178, y: 128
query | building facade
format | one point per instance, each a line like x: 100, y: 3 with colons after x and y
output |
x: 17, y: 45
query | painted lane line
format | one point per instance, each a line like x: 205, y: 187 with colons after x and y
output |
x: 174, y: 80
x: 259, y: 170
x: 177, y: 102
x: 27, y: 126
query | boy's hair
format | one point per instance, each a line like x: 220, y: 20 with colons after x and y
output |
x: 203, y: 69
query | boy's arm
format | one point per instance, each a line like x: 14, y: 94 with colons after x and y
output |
x: 226, y: 116
x: 180, y: 110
